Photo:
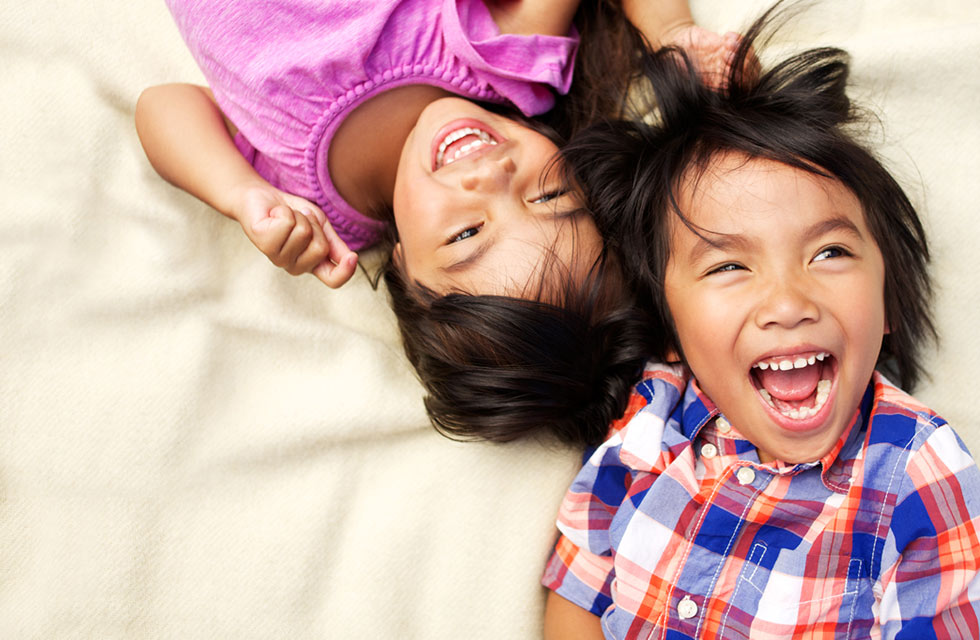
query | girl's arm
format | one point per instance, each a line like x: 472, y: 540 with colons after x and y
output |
x: 658, y: 20
x: 564, y: 620
x: 188, y: 142
x: 527, y: 17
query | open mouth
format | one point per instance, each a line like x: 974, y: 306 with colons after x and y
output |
x: 796, y: 388
x: 460, y: 139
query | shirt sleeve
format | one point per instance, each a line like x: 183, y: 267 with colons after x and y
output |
x: 581, y: 568
x: 931, y: 563
x: 524, y: 68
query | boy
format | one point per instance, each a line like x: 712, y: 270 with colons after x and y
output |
x: 788, y: 490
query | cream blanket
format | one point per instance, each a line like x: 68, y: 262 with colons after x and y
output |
x: 194, y: 444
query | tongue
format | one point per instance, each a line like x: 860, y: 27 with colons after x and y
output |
x: 792, y: 385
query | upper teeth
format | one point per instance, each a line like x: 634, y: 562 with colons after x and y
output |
x: 787, y: 364
x: 482, y: 138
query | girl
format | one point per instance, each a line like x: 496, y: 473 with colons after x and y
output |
x: 326, y: 121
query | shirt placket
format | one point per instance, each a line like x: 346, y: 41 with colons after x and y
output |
x: 735, y: 486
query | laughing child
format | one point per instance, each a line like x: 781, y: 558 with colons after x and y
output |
x: 792, y: 491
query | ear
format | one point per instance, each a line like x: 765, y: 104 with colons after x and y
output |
x: 887, y: 328
x: 673, y: 357
x: 397, y: 256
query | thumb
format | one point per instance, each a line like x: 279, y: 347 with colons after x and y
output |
x: 335, y: 275
x: 341, y: 262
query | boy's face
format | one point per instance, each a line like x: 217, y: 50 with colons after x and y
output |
x: 781, y: 315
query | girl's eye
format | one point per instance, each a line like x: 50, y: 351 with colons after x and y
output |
x: 731, y: 266
x: 831, y: 252
x: 551, y: 195
x: 466, y: 233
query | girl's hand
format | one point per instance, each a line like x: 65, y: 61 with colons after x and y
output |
x: 711, y: 52
x: 294, y: 234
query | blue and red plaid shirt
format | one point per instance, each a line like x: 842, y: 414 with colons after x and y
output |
x: 674, y: 529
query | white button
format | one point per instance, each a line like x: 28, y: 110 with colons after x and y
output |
x: 687, y: 608
x: 709, y: 450
x: 723, y: 425
x: 745, y: 475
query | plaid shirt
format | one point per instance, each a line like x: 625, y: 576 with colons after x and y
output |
x: 674, y: 529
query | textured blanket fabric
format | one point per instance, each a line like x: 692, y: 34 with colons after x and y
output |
x: 194, y: 444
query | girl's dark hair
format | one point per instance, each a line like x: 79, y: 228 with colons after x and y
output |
x: 558, y: 363
x: 797, y: 113
x: 606, y: 65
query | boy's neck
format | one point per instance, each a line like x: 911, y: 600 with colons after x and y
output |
x: 365, y: 151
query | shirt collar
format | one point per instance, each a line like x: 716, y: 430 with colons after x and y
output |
x: 837, y: 465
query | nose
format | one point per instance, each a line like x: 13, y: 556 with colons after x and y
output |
x: 489, y: 175
x: 787, y: 304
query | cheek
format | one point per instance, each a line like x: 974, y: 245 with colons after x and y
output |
x: 689, y: 316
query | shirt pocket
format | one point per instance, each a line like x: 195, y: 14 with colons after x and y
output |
x: 784, y: 593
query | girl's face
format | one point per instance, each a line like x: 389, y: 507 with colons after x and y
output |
x: 475, y: 208
x: 779, y: 308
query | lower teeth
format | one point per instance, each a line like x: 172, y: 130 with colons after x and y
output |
x: 823, y: 392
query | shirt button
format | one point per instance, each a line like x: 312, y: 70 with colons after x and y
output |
x: 709, y: 450
x: 745, y: 475
x: 723, y: 425
x: 687, y: 608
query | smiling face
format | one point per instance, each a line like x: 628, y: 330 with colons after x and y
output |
x: 779, y: 309
x: 476, y: 208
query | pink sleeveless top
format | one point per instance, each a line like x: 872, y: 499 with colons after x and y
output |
x: 287, y: 72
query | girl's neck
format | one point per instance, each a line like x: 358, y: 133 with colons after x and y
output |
x: 365, y: 151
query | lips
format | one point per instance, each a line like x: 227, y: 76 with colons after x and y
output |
x: 796, y: 389
x: 460, y: 139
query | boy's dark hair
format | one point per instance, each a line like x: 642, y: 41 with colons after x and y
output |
x: 796, y: 113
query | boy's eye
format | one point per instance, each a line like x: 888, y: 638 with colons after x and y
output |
x: 831, y: 252
x: 469, y: 232
x: 550, y: 195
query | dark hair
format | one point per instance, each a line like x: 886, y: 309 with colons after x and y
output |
x: 557, y: 363
x: 797, y: 113
x: 606, y: 65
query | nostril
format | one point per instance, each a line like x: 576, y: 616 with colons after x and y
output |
x: 507, y: 163
x: 469, y: 183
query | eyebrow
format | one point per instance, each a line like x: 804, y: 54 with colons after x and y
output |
x: 728, y: 241
x: 470, y: 259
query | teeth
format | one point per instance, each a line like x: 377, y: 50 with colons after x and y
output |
x: 459, y: 134
x: 786, y: 365
x: 823, y: 392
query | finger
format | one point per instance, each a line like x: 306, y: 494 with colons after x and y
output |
x: 335, y: 275
x: 338, y: 249
x: 296, y: 243
x: 316, y: 251
x: 314, y: 213
x: 269, y: 234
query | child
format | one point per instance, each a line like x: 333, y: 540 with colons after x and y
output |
x: 788, y: 490
x: 342, y: 117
